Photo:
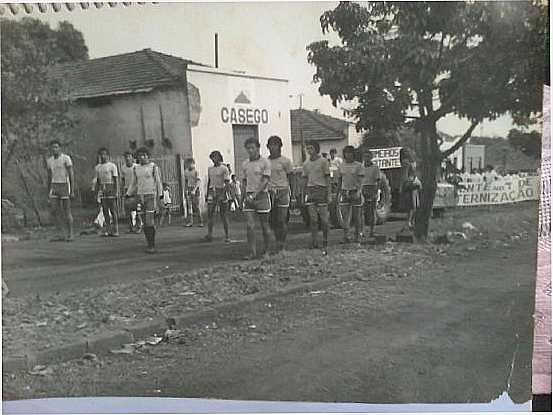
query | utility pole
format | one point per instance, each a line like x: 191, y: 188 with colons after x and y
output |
x: 302, y: 142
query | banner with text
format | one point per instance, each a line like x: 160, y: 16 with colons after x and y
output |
x: 509, y: 189
x: 386, y: 158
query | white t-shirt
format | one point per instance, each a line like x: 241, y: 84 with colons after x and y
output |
x: 105, y: 172
x: 58, y: 167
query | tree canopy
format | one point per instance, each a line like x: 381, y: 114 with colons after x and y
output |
x: 527, y: 142
x: 34, y: 109
x: 413, y: 63
x: 409, y: 61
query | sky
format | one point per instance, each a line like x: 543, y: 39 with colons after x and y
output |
x: 260, y: 38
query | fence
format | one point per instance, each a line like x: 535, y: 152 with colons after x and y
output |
x: 171, y: 168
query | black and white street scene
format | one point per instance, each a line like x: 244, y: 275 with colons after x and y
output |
x: 311, y: 202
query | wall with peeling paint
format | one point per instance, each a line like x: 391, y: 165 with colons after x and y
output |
x: 114, y: 122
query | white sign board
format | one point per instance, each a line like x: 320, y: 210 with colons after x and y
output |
x: 386, y: 158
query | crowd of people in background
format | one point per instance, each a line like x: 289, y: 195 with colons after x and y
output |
x: 262, y: 190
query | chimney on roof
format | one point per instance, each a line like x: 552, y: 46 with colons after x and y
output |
x: 216, y: 50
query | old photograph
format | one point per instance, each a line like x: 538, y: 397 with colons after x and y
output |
x: 315, y: 202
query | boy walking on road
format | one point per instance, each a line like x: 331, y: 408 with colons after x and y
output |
x: 192, y: 186
x: 279, y: 189
x: 146, y: 184
x: 218, y: 189
x: 256, y: 173
x: 371, y: 181
x: 350, y: 175
x: 106, y: 183
x: 127, y: 172
x: 60, y: 190
x: 316, y: 170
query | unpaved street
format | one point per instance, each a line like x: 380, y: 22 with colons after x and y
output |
x: 42, y: 267
x: 458, y: 331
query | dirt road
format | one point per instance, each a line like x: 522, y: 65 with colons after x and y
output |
x: 39, y: 266
x: 459, y: 332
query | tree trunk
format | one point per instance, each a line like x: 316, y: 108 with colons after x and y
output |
x: 29, y: 194
x: 429, y: 166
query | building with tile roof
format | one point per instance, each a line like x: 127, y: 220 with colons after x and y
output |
x: 172, y: 105
x: 329, y: 132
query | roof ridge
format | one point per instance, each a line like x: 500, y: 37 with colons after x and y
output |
x: 151, y: 55
x: 315, y: 116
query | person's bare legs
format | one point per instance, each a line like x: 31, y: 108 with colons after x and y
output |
x: 313, y: 225
x: 324, y: 214
x: 224, y: 219
x: 250, y: 228
x: 345, y: 214
x: 114, y: 217
x: 357, y: 222
x: 281, y: 227
x: 210, y: 219
x: 68, y: 218
x: 268, y: 236
x: 107, y: 217
x: 55, y: 212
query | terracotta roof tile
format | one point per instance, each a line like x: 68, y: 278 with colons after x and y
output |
x: 316, y: 126
x: 133, y: 72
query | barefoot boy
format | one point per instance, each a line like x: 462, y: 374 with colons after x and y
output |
x: 146, y: 184
x: 350, y: 175
x: 279, y: 189
x: 256, y: 173
x: 106, y: 183
x: 60, y: 189
x: 316, y: 170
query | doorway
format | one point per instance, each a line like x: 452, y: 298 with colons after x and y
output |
x: 240, y: 133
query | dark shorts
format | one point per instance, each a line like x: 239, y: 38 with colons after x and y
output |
x: 146, y: 203
x: 316, y: 195
x: 108, y: 191
x: 350, y: 198
x: 59, y: 191
x: 129, y: 203
x: 217, y: 197
x: 280, y: 198
x: 370, y: 192
x: 260, y: 204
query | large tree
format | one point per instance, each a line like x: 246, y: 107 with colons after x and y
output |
x: 34, y: 105
x: 413, y: 63
x: 527, y: 142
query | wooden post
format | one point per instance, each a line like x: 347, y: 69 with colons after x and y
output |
x: 180, y: 177
x: 143, y: 127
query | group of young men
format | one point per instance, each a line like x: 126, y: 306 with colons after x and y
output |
x: 266, y: 193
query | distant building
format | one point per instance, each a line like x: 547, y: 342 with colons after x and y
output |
x: 329, y: 132
x: 173, y: 105
x: 467, y: 157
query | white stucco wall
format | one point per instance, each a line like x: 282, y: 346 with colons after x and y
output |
x: 218, y: 91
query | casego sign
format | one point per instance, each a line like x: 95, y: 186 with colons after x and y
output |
x: 244, y: 115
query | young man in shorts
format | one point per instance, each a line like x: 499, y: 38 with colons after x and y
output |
x: 256, y: 173
x: 127, y: 171
x: 218, y: 191
x: 371, y: 182
x: 60, y: 189
x: 147, y: 186
x: 279, y: 189
x: 350, y: 175
x: 316, y: 170
x: 192, y: 186
x: 106, y: 183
